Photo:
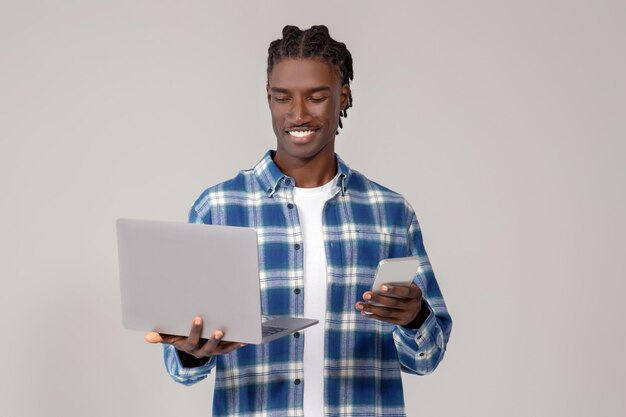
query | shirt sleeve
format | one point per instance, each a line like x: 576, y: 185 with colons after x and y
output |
x: 421, y: 350
x: 180, y: 374
x: 173, y: 364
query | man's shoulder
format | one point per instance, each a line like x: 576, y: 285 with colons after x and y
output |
x: 363, y: 186
x: 368, y: 196
x: 238, y: 188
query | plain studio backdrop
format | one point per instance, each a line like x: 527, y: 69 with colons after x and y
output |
x: 503, y: 123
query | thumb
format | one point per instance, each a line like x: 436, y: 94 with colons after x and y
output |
x: 153, y: 337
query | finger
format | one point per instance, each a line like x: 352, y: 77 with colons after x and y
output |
x: 400, y: 317
x: 227, y: 347
x: 382, y: 311
x: 367, y: 308
x: 360, y: 305
x: 391, y: 302
x: 153, y: 337
x: 210, y: 346
x: 193, y: 340
x: 402, y: 291
x: 381, y: 318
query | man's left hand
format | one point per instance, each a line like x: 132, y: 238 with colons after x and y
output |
x: 401, y: 308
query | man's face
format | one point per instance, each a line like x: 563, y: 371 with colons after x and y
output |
x: 305, y: 98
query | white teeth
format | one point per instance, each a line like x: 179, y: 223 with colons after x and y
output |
x: 300, y: 133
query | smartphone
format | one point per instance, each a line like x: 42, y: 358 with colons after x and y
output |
x: 400, y: 271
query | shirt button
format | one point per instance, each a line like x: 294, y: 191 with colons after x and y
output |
x: 289, y: 206
x: 296, y: 335
x: 297, y: 291
x: 422, y: 354
x: 269, y: 190
x: 297, y: 381
x: 287, y: 181
x: 296, y: 246
x: 419, y: 337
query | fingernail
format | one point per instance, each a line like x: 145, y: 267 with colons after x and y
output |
x: 218, y: 336
x: 384, y: 288
x: 359, y: 307
x: 242, y: 344
x: 367, y: 296
x: 197, y: 321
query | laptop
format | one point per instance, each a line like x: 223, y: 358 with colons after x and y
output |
x: 171, y: 272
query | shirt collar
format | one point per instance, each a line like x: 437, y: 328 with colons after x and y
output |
x: 271, y: 177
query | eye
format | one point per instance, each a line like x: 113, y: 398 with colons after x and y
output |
x: 281, y: 99
x: 318, y: 99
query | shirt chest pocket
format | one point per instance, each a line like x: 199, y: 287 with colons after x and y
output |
x: 362, y: 251
x: 368, y: 247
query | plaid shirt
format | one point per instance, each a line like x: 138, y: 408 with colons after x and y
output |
x: 362, y: 224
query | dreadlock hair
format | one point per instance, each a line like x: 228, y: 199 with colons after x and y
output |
x: 313, y: 43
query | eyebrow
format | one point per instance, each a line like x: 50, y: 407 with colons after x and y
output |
x: 312, y: 90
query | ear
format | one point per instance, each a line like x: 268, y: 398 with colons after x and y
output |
x: 344, y: 96
x: 269, y: 95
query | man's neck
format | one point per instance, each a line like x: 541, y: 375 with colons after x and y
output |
x: 310, y: 172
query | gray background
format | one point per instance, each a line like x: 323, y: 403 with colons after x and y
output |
x: 501, y: 122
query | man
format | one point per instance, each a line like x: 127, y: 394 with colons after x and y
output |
x: 322, y: 229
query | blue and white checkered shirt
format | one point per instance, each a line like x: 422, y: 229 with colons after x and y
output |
x: 363, y: 223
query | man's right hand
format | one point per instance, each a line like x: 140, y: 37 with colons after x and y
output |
x: 194, y: 345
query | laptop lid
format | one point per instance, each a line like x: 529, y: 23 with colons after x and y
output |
x: 171, y: 272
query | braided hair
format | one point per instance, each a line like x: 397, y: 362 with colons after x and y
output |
x: 313, y: 43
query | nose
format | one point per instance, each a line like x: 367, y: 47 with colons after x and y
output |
x: 299, y: 109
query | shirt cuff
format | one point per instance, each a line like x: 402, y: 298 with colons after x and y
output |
x: 178, y: 371
x: 426, y: 329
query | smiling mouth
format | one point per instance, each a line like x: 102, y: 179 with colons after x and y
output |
x: 301, y: 133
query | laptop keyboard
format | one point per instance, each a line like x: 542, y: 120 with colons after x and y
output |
x: 270, y: 330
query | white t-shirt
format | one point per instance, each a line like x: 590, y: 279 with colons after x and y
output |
x: 310, y: 202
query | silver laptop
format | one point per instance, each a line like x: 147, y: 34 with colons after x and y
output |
x: 172, y: 272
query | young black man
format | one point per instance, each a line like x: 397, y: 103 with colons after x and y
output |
x: 322, y: 229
